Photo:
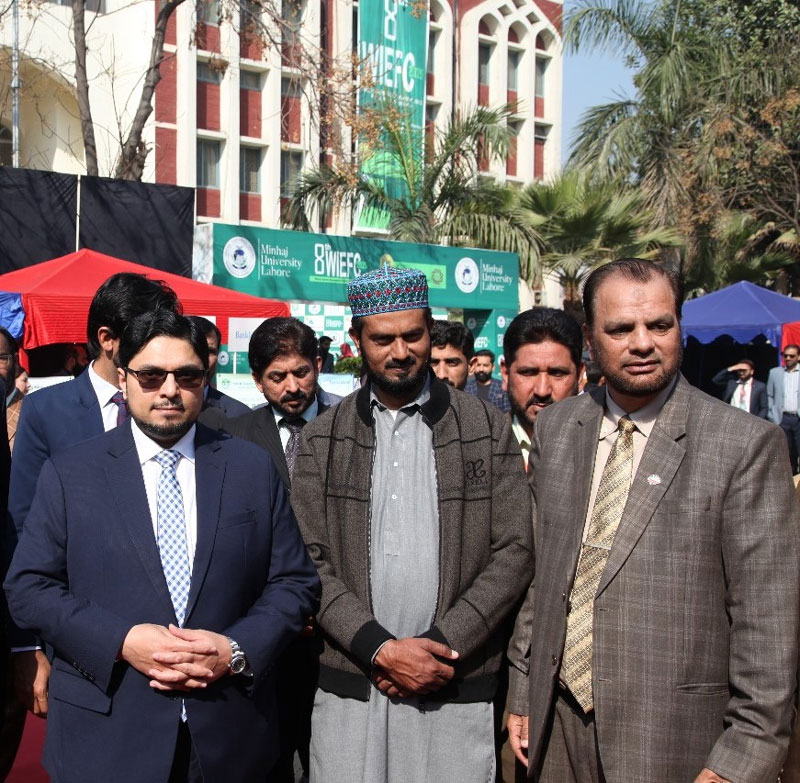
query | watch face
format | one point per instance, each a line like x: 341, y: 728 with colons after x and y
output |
x: 238, y: 663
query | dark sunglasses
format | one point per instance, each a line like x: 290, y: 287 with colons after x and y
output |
x: 789, y: 355
x: 153, y: 377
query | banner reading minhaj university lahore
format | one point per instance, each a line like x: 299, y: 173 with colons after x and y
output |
x: 393, y: 47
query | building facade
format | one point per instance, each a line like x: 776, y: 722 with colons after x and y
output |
x: 234, y: 115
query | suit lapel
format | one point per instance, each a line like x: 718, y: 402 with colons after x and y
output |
x: 660, y: 461
x: 126, y: 486
x: 272, y: 442
x: 89, y: 417
x: 209, y: 474
x: 588, y: 424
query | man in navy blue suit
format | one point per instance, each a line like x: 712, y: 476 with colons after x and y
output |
x: 163, y: 563
x: 53, y: 419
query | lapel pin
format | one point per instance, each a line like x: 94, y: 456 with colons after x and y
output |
x: 653, y: 479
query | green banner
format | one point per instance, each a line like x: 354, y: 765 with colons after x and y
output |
x: 298, y: 266
x: 392, y: 47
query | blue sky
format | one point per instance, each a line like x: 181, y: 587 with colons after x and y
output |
x: 590, y: 78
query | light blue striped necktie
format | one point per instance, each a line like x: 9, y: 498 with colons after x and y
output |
x: 172, y: 533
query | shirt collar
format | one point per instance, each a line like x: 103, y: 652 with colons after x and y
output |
x: 147, y: 448
x: 102, y: 388
x: 519, y: 433
x: 644, y: 418
x: 418, y: 401
x: 309, y: 414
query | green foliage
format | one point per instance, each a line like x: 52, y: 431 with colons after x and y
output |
x: 712, y: 131
x: 446, y: 200
x: 348, y: 365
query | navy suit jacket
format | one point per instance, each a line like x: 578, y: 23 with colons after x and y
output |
x: 51, y: 420
x: 229, y: 406
x: 87, y: 568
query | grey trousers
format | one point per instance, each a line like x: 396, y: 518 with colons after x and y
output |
x: 570, y: 754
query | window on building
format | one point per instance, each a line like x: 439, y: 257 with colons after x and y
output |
x: 250, y: 80
x: 249, y: 15
x: 206, y: 72
x: 431, y: 112
x: 250, y: 169
x: 513, y: 70
x: 484, y: 58
x: 541, y: 71
x: 291, y: 166
x: 208, y: 157
x: 6, y: 146
x: 433, y: 37
x: 209, y: 12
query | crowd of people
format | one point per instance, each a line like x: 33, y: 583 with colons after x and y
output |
x: 589, y: 556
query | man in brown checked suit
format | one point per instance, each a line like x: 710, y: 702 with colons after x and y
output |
x: 659, y: 642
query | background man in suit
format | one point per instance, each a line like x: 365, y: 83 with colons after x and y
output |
x: 163, y: 563
x: 541, y: 365
x: 325, y: 355
x: 68, y: 413
x: 742, y: 390
x: 452, y: 346
x: 783, y: 398
x: 481, y: 383
x: 285, y: 365
x: 213, y: 397
x: 664, y: 616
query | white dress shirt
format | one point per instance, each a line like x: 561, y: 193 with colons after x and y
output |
x: 790, y: 383
x: 147, y: 449
x: 522, y: 438
x: 309, y: 414
x: 741, y: 395
x: 104, y: 391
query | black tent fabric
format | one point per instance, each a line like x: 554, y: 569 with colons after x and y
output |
x: 37, y: 216
x: 140, y: 222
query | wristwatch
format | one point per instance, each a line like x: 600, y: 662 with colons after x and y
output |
x: 238, y: 661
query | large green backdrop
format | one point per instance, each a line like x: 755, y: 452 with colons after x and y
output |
x: 392, y: 47
x: 293, y: 265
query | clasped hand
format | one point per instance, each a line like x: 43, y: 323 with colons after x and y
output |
x: 412, y: 666
x: 176, y: 659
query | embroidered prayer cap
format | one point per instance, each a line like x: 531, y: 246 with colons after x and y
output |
x: 387, y: 289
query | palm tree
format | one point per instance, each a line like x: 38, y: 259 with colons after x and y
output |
x: 443, y: 198
x: 644, y: 139
x: 584, y: 223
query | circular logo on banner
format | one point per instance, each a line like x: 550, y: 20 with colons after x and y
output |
x: 223, y: 358
x: 239, y: 257
x: 314, y: 309
x: 467, y: 275
x: 472, y: 323
x: 501, y: 321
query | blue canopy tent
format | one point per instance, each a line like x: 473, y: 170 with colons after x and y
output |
x: 12, y: 316
x: 743, y: 311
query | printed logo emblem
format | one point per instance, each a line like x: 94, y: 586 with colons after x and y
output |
x: 467, y: 275
x: 474, y: 471
x: 239, y: 257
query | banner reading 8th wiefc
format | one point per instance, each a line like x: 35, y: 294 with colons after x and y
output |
x: 393, y: 49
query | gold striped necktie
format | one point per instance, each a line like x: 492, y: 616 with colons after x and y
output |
x: 612, y: 494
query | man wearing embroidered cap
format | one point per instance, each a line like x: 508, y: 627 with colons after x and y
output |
x: 422, y: 544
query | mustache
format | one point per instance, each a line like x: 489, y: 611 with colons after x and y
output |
x: 537, y: 400
x: 294, y: 396
x: 176, y: 404
x: 400, y: 364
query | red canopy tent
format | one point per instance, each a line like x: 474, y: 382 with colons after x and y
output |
x: 56, y: 296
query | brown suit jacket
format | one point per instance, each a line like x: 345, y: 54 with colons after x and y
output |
x: 696, y: 615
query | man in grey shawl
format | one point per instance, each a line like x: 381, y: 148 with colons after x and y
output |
x: 414, y: 507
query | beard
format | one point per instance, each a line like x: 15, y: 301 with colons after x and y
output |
x: 644, y: 386
x: 306, y: 397
x: 482, y: 377
x: 162, y: 433
x: 398, y: 387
